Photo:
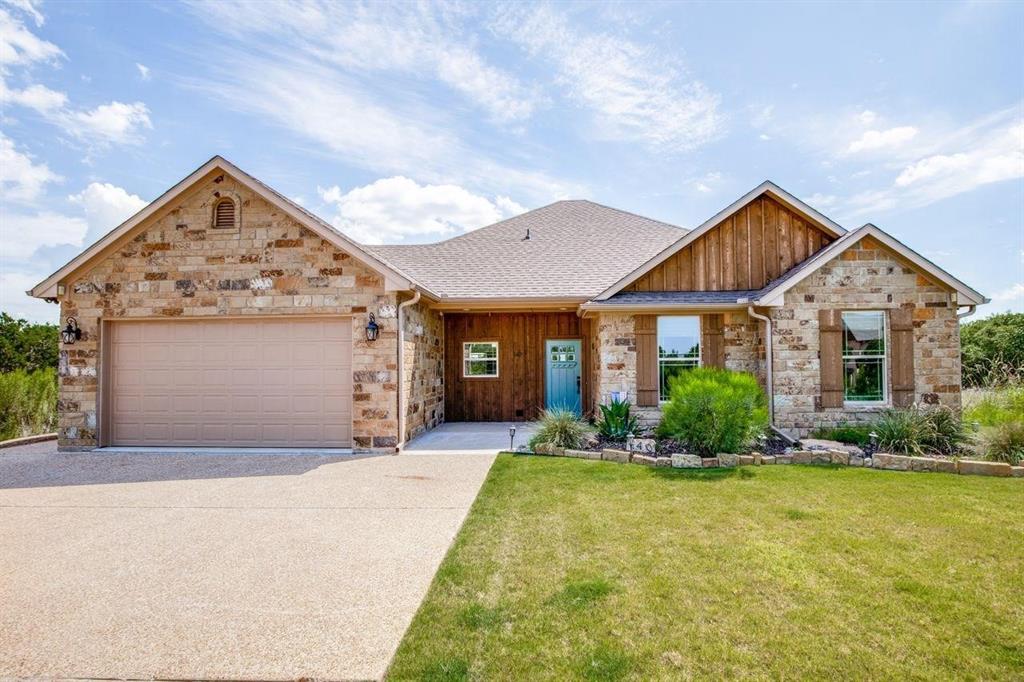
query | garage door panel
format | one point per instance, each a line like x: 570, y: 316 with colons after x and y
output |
x: 264, y: 382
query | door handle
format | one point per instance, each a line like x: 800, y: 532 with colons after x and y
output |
x: 577, y: 383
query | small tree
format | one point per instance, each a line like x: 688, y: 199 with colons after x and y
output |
x: 714, y: 410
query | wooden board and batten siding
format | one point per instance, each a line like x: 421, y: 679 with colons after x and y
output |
x: 749, y: 249
x: 517, y: 393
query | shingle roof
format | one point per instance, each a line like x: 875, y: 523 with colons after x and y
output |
x: 628, y: 298
x: 576, y: 249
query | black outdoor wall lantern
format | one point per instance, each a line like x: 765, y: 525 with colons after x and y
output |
x: 372, y: 329
x: 71, y: 332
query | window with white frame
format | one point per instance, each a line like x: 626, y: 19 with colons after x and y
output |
x: 480, y: 359
x: 864, y: 356
x: 678, y: 348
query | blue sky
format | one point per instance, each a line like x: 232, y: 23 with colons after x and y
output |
x: 416, y: 122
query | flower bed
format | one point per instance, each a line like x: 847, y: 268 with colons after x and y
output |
x: 840, y: 457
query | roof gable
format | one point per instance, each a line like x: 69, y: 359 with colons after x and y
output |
x: 772, y: 295
x: 394, y: 279
x: 768, y: 189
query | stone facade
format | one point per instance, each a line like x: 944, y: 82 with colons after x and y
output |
x: 180, y: 266
x: 614, y: 346
x: 866, y: 276
x: 423, y: 369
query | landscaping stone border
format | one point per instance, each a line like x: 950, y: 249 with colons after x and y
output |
x: 881, y: 460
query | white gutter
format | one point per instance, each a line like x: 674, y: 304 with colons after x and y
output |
x: 769, y: 387
x: 401, y: 364
x: 970, y: 311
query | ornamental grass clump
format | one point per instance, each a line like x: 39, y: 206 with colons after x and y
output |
x: 714, y: 410
x: 915, y: 431
x: 561, y: 429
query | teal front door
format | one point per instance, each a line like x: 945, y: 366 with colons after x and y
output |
x: 562, y: 375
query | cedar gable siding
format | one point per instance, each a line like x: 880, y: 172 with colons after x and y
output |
x: 749, y: 249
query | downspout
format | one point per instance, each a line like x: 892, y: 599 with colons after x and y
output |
x: 769, y: 386
x: 401, y: 365
x: 968, y: 313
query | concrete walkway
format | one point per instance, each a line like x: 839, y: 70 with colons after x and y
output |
x: 225, y: 566
x: 484, y: 438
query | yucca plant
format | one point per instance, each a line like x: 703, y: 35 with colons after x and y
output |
x: 562, y: 429
x: 616, y: 421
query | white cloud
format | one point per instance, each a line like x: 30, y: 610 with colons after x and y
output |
x: 21, y: 234
x: 17, y: 304
x: 337, y: 112
x: 867, y: 117
x: 38, y: 97
x: 822, y: 201
x: 143, y: 71
x: 999, y: 158
x: 706, y: 183
x: 634, y: 91
x: 1010, y: 299
x: 20, y: 47
x: 763, y: 137
x: 406, y: 38
x: 34, y: 243
x: 21, y: 179
x: 981, y: 153
x: 106, y: 206
x: 398, y: 209
x: 874, y: 140
x: 113, y: 123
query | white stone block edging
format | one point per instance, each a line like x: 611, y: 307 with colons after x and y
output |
x: 881, y: 460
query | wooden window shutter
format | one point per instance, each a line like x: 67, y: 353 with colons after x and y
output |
x: 645, y: 328
x: 901, y: 338
x: 830, y: 331
x: 712, y: 340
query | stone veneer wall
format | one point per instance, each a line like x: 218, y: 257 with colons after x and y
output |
x: 180, y: 266
x: 614, y: 346
x: 423, y: 367
x: 866, y: 276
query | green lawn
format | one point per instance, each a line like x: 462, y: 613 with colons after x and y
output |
x: 573, y: 569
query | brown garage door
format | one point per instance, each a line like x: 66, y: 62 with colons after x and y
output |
x: 240, y: 383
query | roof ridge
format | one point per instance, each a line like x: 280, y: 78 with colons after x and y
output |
x: 631, y: 213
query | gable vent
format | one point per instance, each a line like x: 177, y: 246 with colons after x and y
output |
x: 224, y: 214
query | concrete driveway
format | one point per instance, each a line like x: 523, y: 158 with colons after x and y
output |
x: 225, y: 566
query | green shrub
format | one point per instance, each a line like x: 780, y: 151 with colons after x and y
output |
x: 714, y: 410
x: 616, y: 421
x: 1004, y: 442
x: 917, y: 431
x: 28, y: 403
x: 992, y: 350
x: 27, y: 346
x: 851, y: 434
x: 561, y: 428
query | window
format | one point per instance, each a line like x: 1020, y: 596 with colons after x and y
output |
x: 678, y: 348
x: 864, y: 356
x: 480, y: 359
x: 563, y: 353
x: 224, y: 214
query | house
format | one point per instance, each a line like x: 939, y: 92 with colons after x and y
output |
x: 224, y: 314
